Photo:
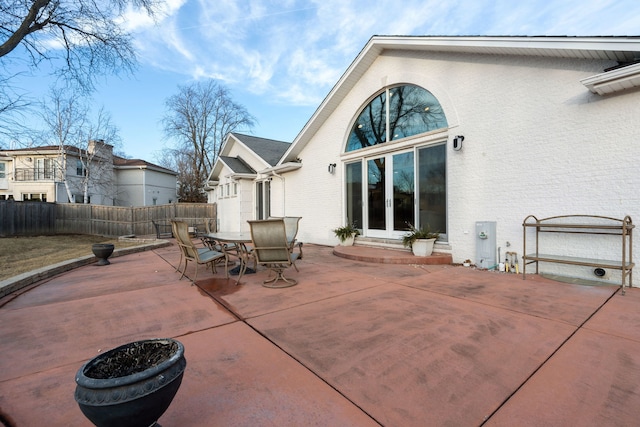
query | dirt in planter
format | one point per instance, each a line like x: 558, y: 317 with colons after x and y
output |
x: 132, y: 359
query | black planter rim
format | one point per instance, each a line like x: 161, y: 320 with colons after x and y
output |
x: 103, y: 245
x: 100, y: 383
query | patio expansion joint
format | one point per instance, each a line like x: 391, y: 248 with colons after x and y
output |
x: 314, y: 373
x: 299, y: 362
x: 546, y: 360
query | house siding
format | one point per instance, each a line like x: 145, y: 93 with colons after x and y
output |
x: 109, y: 184
x: 536, y: 142
x: 139, y: 186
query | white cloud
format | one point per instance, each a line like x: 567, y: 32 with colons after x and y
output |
x: 139, y: 19
x: 296, y: 50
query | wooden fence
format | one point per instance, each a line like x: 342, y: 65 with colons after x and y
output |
x: 41, y: 218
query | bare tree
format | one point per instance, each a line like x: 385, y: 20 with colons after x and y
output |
x: 81, y: 38
x: 96, y: 155
x: 198, y: 118
x: 179, y: 160
x: 70, y: 126
x: 13, y: 103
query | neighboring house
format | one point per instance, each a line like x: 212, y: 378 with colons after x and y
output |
x: 52, y: 174
x: 549, y: 124
x: 140, y: 183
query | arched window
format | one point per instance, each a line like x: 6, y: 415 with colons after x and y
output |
x: 395, y: 113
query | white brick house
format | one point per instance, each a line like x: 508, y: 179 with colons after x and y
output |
x: 549, y: 124
x: 51, y: 174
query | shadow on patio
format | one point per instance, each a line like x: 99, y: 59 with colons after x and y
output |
x: 352, y: 344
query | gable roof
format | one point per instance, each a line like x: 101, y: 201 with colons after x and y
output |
x: 269, y: 150
x: 620, y: 49
x: 237, y: 165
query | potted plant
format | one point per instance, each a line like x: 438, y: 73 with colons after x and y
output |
x: 131, y: 385
x: 346, y: 234
x: 420, y: 240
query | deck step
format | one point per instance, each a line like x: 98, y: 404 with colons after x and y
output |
x: 380, y: 255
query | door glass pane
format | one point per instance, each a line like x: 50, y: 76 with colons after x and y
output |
x: 432, y: 187
x: 403, y: 191
x: 267, y: 200
x: 259, y: 201
x: 376, y: 194
x: 354, y: 194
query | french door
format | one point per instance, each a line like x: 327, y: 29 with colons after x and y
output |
x: 390, y: 194
x: 386, y: 192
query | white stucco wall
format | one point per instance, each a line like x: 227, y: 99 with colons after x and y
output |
x: 231, y: 205
x: 536, y: 142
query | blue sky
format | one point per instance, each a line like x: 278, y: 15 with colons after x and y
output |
x: 280, y: 58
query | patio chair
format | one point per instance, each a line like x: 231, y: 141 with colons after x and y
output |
x: 271, y: 249
x: 163, y: 230
x: 291, y: 227
x: 190, y: 252
x: 174, y: 232
x: 229, y: 249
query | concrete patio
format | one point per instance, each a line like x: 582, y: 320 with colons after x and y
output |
x: 353, y: 344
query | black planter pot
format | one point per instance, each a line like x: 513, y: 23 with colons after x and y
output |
x: 102, y: 251
x: 135, y: 400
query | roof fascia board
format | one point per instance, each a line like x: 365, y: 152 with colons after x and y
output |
x: 614, y: 80
x: 241, y: 175
x: 282, y: 168
x: 511, y: 45
x: 148, y: 167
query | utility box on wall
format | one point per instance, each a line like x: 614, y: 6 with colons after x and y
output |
x: 486, y: 244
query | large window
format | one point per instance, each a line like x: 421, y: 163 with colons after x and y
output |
x: 396, y: 113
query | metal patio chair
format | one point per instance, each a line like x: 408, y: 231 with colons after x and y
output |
x: 190, y: 252
x: 291, y: 228
x: 271, y: 249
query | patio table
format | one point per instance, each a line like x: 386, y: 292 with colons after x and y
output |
x: 240, y: 240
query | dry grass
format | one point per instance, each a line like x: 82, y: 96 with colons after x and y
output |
x: 22, y: 254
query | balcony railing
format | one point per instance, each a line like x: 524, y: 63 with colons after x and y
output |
x: 35, y: 174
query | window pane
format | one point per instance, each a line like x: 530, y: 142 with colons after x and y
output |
x: 354, y: 194
x: 413, y: 110
x: 259, y: 201
x: 370, y: 127
x: 377, y: 205
x: 432, y: 182
x: 403, y: 190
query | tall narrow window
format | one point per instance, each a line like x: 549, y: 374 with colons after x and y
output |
x: 354, y: 193
x: 80, y: 171
x: 432, y: 188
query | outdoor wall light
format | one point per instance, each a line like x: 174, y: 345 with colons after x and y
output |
x: 457, y: 142
x: 332, y: 167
